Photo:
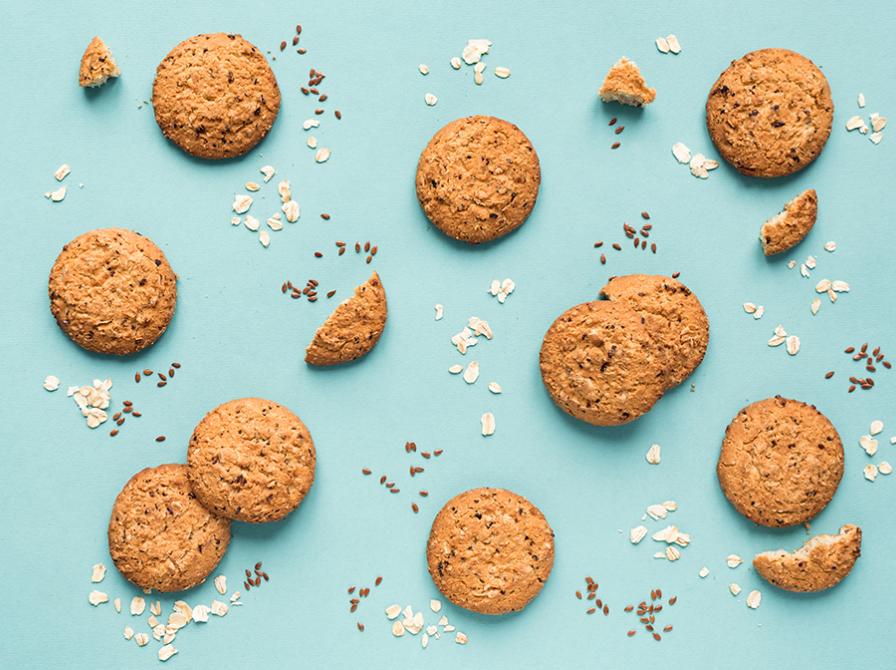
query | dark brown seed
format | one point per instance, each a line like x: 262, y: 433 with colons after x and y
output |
x: 645, y: 216
x: 353, y: 608
x: 606, y: 610
x: 299, y: 29
x: 630, y: 633
x: 282, y: 45
x: 247, y: 586
x: 160, y: 438
x: 318, y: 254
x: 598, y: 244
x: 357, y: 247
x: 258, y: 565
x: 619, y: 129
x: 590, y: 594
x: 648, y: 628
x: 113, y: 432
x: 368, y: 259
x: 612, y: 121
x: 128, y: 410
x: 265, y: 576
x: 378, y: 581
x: 653, y: 247
x: 603, y: 259
x: 162, y: 376
x: 295, y: 40
x: 590, y: 610
x: 323, y: 98
x: 338, y: 114
x: 341, y: 250
x: 161, y: 384
x: 147, y: 372
x: 657, y: 637
x: 365, y: 471
x: 579, y: 595
x: 676, y: 275
x: 615, y: 145
x: 423, y: 494
x: 849, y: 350
x: 415, y: 508
x: 864, y: 347
x: 673, y: 600
x: 319, y: 111
x: 116, y: 416
x: 383, y: 479
x: 887, y: 364
x: 325, y: 216
x: 137, y: 377
x: 851, y: 389
x: 616, y: 246
x: 828, y: 375
x: 137, y: 414
x: 330, y: 294
x: 438, y: 452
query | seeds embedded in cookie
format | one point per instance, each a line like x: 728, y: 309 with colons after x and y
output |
x: 251, y: 460
x: 673, y: 316
x: 97, y: 65
x: 354, y: 327
x: 625, y: 84
x: 770, y: 113
x: 215, y: 96
x: 599, y: 363
x: 821, y: 563
x: 160, y: 537
x: 112, y: 291
x: 478, y: 178
x: 490, y: 551
x: 781, y: 462
x: 787, y: 229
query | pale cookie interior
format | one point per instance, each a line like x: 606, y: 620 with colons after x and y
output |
x: 822, y: 562
x: 787, y: 229
x: 625, y: 84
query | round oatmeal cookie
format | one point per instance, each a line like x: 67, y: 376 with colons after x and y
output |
x: 160, y: 537
x: 770, y: 113
x: 251, y: 460
x: 674, y: 318
x: 490, y: 551
x: 821, y: 563
x: 478, y: 178
x: 112, y: 291
x: 215, y: 96
x: 781, y: 462
x: 599, y: 363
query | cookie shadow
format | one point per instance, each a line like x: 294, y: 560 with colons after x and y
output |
x: 110, y: 89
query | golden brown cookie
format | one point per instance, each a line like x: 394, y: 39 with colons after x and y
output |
x: 215, y: 96
x: 354, y: 327
x: 478, y: 178
x: 781, y: 462
x: 673, y: 316
x: 625, y: 84
x: 819, y: 564
x: 599, y: 363
x: 160, y: 537
x: 788, y: 228
x: 112, y: 291
x: 770, y: 113
x: 490, y: 551
x: 97, y: 65
x: 251, y: 460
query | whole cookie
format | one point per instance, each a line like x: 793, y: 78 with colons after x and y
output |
x: 781, y: 462
x: 215, y: 96
x: 821, y: 563
x: 112, y: 291
x: 770, y: 113
x: 251, y: 460
x: 598, y: 363
x: 490, y: 551
x: 478, y: 178
x: 674, y: 318
x: 160, y: 537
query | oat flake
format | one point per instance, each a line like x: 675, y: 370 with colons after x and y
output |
x: 488, y: 424
x: 653, y: 454
x: 754, y: 599
x: 51, y: 383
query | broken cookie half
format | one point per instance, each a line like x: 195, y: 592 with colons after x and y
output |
x: 97, y: 65
x: 625, y: 84
x: 819, y: 564
x: 787, y: 229
x: 354, y: 327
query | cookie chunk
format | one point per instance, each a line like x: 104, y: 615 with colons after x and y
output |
x: 160, y: 537
x: 490, y: 551
x: 478, y: 178
x: 97, y: 65
x: 251, y: 460
x: 770, y: 113
x: 354, y: 327
x: 625, y: 84
x: 598, y: 363
x: 674, y: 318
x: 819, y: 564
x: 787, y: 229
x: 781, y: 462
x: 112, y: 291
x: 215, y: 96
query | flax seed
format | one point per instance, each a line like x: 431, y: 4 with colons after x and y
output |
x: 615, y: 145
x: 137, y: 377
x: 619, y: 130
x: 631, y: 633
x: 612, y: 121
x: 160, y: 438
x: 378, y: 581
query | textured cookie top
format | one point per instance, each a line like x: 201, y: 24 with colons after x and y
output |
x: 97, y: 64
x: 354, y: 327
x: 788, y: 228
x: 625, y: 84
x: 770, y: 113
x: 112, y: 291
x: 160, y: 537
x: 251, y: 460
x: 598, y: 363
x: 490, y: 551
x: 215, y: 96
x: 478, y: 178
x: 819, y: 564
x: 673, y: 316
x: 781, y: 462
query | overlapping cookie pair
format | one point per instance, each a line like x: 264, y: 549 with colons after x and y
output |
x: 606, y: 362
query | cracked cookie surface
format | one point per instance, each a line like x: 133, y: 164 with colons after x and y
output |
x: 821, y: 563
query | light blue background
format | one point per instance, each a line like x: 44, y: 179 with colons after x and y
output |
x: 236, y: 335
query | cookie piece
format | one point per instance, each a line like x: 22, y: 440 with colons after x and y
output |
x: 598, y: 363
x: 490, y: 551
x: 781, y: 462
x: 160, y: 537
x: 787, y: 229
x: 625, y: 84
x: 251, y: 460
x: 112, y: 291
x: 215, y: 96
x: 819, y: 564
x: 97, y: 65
x: 478, y: 178
x: 770, y: 113
x: 354, y: 327
x: 674, y: 318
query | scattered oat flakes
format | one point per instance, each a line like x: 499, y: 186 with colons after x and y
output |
x: 166, y: 652
x: 440, y: 311
x: 830, y: 247
x: 869, y: 444
x: 455, y: 63
x: 392, y: 611
x: 735, y: 589
x: 430, y: 99
x: 674, y: 45
x: 128, y: 632
x: 56, y: 196
x: 200, y: 614
x: 471, y: 374
x: 221, y: 584
x: 97, y: 598
x: 218, y: 608
x: 488, y: 424
x: 870, y: 472
x: 51, y: 383
x: 672, y: 553
x: 322, y: 155
x: 423, y: 69
x: 460, y: 638
x: 860, y: 100
x: 754, y: 599
x: 138, y: 605
x: 252, y: 186
x: 653, y: 454
x: 92, y: 401
x: 793, y: 345
x: 494, y: 387
x: 681, y: 152
x: 636, y: 534
x: 62, y: 171
x: 310, y: 123
x: 502, y: 72
x: 264, y: 237
x: 242, y: 203
x: 397, y: 628
x: 98, y: 573
x: 435, y: 605
x: 662, y: 45
x: 501, y: 289
x: 704, y: 572
x: 885, y: 468
x: 456, y: 369
x: 877, y: 426
x: 267, y: 172
x: 251, y: 223
x: 475, y: 50
x: 311, y: 142
x: 733, y: 560
x: 816, y: 305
